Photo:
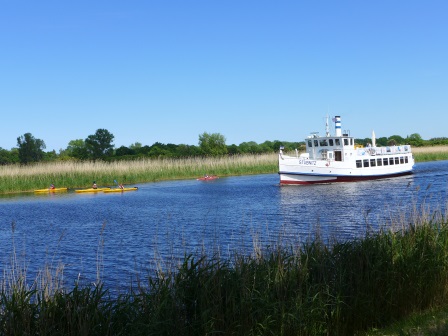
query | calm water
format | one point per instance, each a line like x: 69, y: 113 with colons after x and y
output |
x: 165, y: 220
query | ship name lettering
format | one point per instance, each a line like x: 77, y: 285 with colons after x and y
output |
x: 307, y: 162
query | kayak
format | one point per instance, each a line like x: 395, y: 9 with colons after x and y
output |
x: 91, y: 190
x: 50, y: 190
x: 208, y: 178
x: 119, y: 189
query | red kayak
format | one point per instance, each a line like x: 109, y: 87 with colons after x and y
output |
x: 207, y: 178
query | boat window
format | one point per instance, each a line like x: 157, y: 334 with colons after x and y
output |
x: 345, y: 142
x: 372, y: 163
x: 391, y: 161
x: 366, y: 162
x: 385, y: 162
x: 316, y: 143
x: 406, y: 159
x: 379, y: 162
x: 401, y: 159
x: 310, y: 143
x: 331, y: 142
x: 324, y: 143
x: 358, y: 164
x: 338, y: 142
x: 397, y: 160
x: 351, y: 141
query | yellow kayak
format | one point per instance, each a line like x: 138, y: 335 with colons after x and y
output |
x: 50, y: 190
x: 90, y: 190
x: 120, y: 190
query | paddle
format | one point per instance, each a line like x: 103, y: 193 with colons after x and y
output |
x: 119, y: 186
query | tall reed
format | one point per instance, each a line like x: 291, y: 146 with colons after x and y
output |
x: 74, y: 174
x: 434, y: 153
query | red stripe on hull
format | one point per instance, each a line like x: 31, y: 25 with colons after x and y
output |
x: 344, y: 179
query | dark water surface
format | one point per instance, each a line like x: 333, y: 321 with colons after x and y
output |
x: 133, y: 232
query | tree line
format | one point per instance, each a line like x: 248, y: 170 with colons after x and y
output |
x: 99, y: 146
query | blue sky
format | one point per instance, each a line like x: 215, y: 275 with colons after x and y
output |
x: 167, y: 71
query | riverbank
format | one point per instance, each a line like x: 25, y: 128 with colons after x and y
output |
x: 75, y: 174
x: 434, y: 153
x: 308, y: 289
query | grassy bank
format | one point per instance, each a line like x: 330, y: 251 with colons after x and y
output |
x: 74, y: 174
x: 312, y: 289
x: 81, y: 174
x: 435, y: 153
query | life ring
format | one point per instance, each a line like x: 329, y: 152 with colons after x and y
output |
x: 328, y: 163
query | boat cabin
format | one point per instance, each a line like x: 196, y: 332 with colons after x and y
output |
x: 329, y: 148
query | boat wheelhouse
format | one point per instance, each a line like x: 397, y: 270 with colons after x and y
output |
x: 336, y: 158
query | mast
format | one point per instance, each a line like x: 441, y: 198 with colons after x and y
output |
x: 337, y: 125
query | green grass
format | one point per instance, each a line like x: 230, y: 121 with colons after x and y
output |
x: 432, y: 322
x: 343, y: 288
x: 74, y: 174
x: 434, y: 153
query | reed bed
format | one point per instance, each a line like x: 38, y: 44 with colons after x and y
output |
x: 434, y: 153
x: 75, y: 174
x: 343, y: 288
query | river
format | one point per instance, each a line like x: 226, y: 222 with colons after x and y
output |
x: 128, y: 235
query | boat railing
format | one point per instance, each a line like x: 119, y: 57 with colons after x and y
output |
x: 388, y: 150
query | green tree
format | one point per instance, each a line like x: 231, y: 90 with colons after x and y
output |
x: 143, y: 150
x: 77, y: 149
x: 415, y: 140
x: 213, y: 144
x: 50, y: 156
x: 8, y: 157
x: 187, y: 150
x: 99, y: 145
x: 395, y: 140
x: 249, y: 147
x: 381, y: 141
x: 233, y: 149
x: 123, y: 150
x: 30, y: 148
x: 136, y: 146
x: 438, y: 141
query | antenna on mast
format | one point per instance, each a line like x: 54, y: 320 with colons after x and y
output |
x: 327, y: 128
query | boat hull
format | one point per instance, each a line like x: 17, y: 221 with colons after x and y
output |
x: 207, y: 178
x: 48, y: 190
x: 300, y: 179
x: 115, y: 190
x: 91, y: 190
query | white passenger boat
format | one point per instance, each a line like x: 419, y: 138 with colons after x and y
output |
x: 336, y: 158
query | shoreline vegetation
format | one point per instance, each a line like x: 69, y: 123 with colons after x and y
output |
x: 81, y: 174
x: 315, y: 288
